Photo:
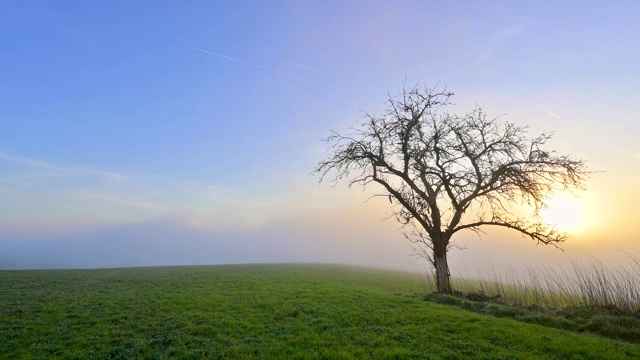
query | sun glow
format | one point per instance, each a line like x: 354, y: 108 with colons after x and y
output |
x: 563, y: 211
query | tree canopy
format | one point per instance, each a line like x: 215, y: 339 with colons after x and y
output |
x: 446, y: 173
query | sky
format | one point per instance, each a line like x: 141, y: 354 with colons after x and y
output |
x: 169, y: 132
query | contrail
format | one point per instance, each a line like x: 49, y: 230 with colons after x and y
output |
x: 250, y: 64
x: 237, y: 60
x: 550, y: 112
x: 305, y: 66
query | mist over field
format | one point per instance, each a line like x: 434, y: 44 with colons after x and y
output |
x: 170, y: 242
x: 346, y: 241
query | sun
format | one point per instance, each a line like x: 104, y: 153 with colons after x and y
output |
x: 563, y: 211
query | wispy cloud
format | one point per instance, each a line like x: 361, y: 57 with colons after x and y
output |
x: 61, y: 170
x: 39, y: 194
x: 633, y: 154
x: 249, y: 63
x: 31, y: 162
x: 550, y: 112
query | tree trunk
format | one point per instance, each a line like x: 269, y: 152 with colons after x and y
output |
x: 443, y: 278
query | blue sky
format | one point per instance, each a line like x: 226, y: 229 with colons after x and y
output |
x: 208, y: 115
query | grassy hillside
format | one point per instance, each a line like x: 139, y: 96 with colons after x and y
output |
x: 260, y: 311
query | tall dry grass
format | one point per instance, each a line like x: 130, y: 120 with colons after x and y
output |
x: 587, y: 283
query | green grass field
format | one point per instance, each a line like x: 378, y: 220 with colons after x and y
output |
x: 261, y: 312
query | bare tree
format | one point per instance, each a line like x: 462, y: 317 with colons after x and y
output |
x: 445, y: 173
